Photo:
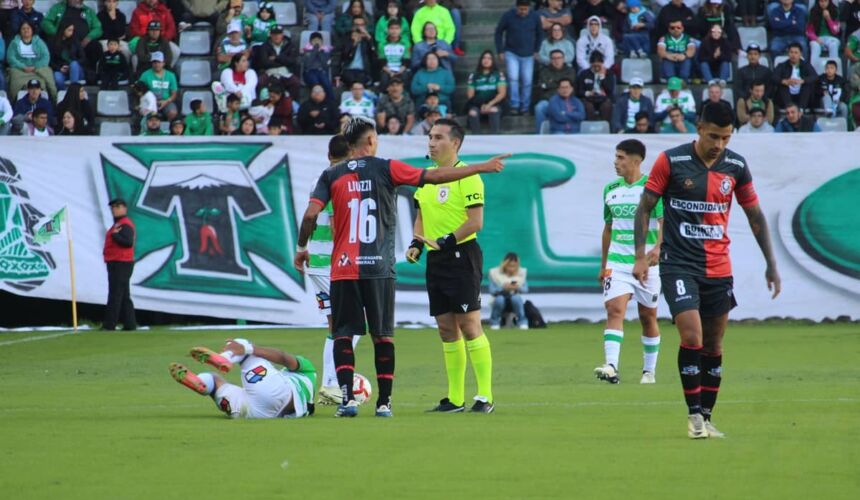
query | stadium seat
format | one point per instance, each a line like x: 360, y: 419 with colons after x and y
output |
x: 286, y: 13
x: 649, y: 93
x: 2, y: 93
x: 127, y: 7
x: 195, y: 73
x: 250, y: 9
x: 93, y: 4
x: 728, y: 95
x: 632, y: 68
x: 61, y: 94
x: 112, y: 103
x: 44, y: 5
x: 594, y: 127
x: 820, y: 62
x: 544, y: 128
x: 743, y: 61
x: 779, y: 60
x: 115, y: 128
x: 305, y: 38
x: 190, y: 95
x: 195, y: 43
x: 21, y: 93
x: 756, y: 34
x: 833, y: 124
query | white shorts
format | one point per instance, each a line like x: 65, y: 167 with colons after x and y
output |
x: 622, y: 283
x: 322, y: 290
x: 265, y: 392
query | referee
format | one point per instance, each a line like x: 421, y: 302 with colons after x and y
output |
x: 452, y: 214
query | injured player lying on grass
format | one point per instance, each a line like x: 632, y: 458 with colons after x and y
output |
x: 267, y: 391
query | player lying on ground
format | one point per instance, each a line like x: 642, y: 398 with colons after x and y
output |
x: 697, y: 182
x: 620, y: 199
x: 266, y: 392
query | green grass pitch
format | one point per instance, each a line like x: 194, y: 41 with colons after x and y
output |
x: 96, y: 415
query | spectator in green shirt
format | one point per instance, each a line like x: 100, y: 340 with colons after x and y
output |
x: 199, y: 122
x: 394, y: 55
x: 162, y: 83
x: 852, y: 47
x: 486, y: 93
x: 153, y: 125
x: 438, y: 15
x: 392, y: 11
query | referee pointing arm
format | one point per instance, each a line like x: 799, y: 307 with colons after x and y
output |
x: 450, y: 215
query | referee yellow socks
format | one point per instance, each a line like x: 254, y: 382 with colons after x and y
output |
x: 455, y: 365
x: 482, y: 364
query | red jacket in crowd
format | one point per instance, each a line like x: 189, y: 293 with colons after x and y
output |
x: 143, y: 14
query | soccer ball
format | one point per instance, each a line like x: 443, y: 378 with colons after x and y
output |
x: 361, y: 388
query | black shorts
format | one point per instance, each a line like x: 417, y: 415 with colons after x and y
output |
x: 454, y: 279
x: 364, y: 304
x: 710, y: 296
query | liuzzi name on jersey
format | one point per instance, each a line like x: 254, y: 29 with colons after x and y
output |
x: 359, y: 186
x: 702, y: 231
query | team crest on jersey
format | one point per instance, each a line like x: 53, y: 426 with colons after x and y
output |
x: 726, y: 185
x: 344, y: 260
x: 442, y: 195
x: 255, y: 375
x: 689, y: 184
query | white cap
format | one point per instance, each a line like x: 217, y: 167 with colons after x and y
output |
x: 636, y: 82
x: 156, y: 56
x: 234, y: 26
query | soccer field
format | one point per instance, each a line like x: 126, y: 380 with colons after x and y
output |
x: 96, y: 415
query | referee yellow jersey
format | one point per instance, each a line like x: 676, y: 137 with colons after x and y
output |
x: 443, y: 206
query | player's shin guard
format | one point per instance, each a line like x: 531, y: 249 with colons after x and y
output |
x: 344, y: 362
x: 650, y: 349
x: 712, y: 368
x: 690, y: 368
x: 482, y: 364
x: 383, y: 348
x: 455, y: 367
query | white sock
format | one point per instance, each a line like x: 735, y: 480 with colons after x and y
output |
x: 612, y: 346
x: 208, y: 380
x: 651, y: 349
x: 329, y: 377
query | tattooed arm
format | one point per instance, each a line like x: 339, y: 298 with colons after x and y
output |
x: 758, y: 225
x: 640, y: 234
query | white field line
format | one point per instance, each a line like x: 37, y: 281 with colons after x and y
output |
x: 34, y: 339
x: 573, y: 404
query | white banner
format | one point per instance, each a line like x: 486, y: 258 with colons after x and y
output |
x: 217, y: 220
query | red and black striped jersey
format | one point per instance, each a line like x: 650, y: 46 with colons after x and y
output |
x: 363, y: 198
x: 696, y: 204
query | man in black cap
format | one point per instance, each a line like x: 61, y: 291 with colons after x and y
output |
x: 119, y: 257
x: 274, y: 61
x: 753, y: 71
x: 151, y: 43
x: 26, y: 105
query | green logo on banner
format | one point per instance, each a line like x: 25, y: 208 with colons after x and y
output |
x: 515, y: 221
x: 223, y: 224
x: 23, y: 265
x: 824, y: 224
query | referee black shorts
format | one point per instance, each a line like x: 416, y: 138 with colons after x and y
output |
x: 712, y: 297
x: 454, y: 279
x: 363, y: 304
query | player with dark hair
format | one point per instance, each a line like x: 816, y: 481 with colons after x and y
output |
x: 449, y: 218
x: 318, y: 272
x: 696, y: 183
x: 362, y: 193
x: 620, y: 198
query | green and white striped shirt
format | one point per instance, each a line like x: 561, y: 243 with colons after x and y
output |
x: 620, y: 201
x: 321, y: 243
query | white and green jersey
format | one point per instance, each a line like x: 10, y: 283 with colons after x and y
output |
x: 364, y: 107
x: 620, y: 201
x: 321, y: 243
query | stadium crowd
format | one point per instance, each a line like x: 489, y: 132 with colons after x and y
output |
x: 228, y: 67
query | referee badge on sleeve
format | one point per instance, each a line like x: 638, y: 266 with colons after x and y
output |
x: 442, y: 195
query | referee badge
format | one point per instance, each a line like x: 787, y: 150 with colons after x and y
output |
x: 442, y: 195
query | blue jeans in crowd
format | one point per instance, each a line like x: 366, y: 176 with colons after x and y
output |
x: 76, y: 74
x: 680, y: 69
x: 520, y: 72
x: 318, y: 77
x: 779, y: 45
x: 314, y: 24
x: 633, y: 41
x: 458, y: 24
x: 540, y: 113
x: 517, y: 303
x: 724, y: 73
